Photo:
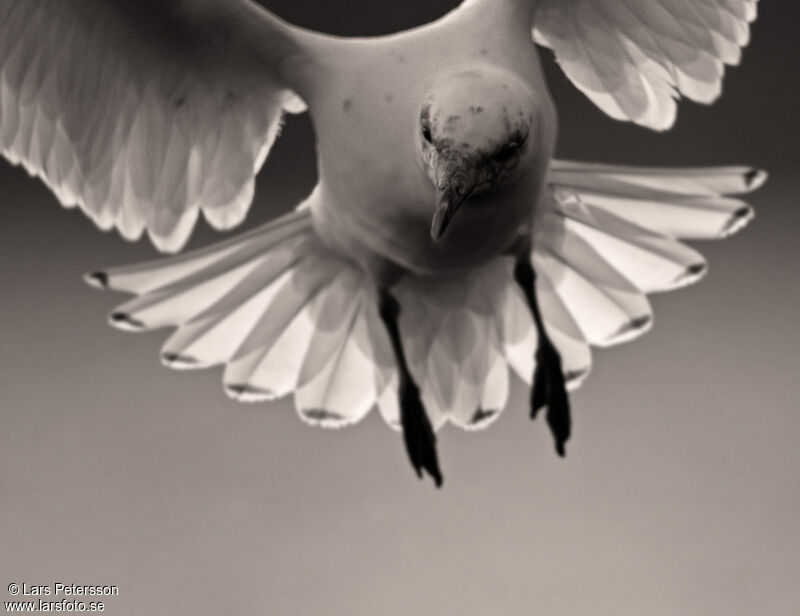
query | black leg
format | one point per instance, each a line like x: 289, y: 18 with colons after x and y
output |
x: 418, y: 433
x: 549, y: 388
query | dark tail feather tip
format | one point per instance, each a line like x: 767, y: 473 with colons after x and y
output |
x: 481, y: 415
x: 125, y: 321
x: 755, y: 178
x: 691, y: 274
x: 738, y: 219
x: 175, y: 360
x: 98, y: 280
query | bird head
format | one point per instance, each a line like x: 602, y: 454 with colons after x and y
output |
x: 475, y: 137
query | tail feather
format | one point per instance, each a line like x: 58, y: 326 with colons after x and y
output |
x: 695, y: 218
x: 651, y: 262
x: 342, y: 391
x: 483, y: 384
x: 421, y: 321
x: 298, y: 293
x: 607, y: 306
x: 493, y: 398
x: 176, y: 303
x: 389, y: 405
x: 284, y: 315
x: 643, y: 182
x: 214, y: 339
x: 145, y: 277
x: 454, y: 345
x: 457, y: 363
x: 334, y: 316
x: 271, y: 373
x: 515, y: 330
x: 564, y: 331
x: 609, y: 235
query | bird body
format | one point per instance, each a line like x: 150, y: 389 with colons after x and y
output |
x: 443, y: 247
x: 364, y: 95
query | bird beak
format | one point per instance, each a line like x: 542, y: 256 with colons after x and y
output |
x: 451, y: 191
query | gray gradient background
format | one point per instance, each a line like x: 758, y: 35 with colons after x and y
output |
x: 680, y: 494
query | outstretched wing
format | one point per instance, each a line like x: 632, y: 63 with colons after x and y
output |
x: 143, y: 113
x: 634, y: 58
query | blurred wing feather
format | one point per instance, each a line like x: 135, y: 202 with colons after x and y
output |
x: 143, y: 114
x: 634, y: 58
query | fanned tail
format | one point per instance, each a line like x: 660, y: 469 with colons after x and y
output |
x: 286, y: 316
x: 278, y: 310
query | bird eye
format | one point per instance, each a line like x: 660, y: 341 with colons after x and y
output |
x: 426, y: 132
x: 507, y: 151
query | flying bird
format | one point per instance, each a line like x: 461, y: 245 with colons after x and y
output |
x: 442, y: 248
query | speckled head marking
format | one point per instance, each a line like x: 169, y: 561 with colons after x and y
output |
x: 475, y: 133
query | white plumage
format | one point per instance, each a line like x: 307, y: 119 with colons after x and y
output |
x: 146, y: 114
x: 278, y: 309
x: 633, y: 58
x: 142, y: 114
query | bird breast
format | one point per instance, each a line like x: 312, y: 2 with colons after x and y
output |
x: 375, y: 202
